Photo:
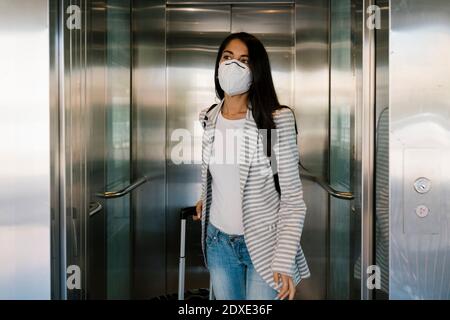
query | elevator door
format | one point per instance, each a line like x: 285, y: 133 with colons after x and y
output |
x: 96, y: 149
x: 109, y: 240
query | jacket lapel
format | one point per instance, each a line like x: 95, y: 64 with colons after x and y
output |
x: 209, y: 139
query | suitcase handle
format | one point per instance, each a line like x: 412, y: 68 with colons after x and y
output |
x: 187, y: 212
x: 184, y: 214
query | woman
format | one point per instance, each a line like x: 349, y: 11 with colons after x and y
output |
x: 250, y: 232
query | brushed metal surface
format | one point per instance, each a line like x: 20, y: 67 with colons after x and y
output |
x: 25, y: 156
x: 342, y: 108
x: 311, y: 94
x: 118, y: 138
x: 194, y: 34
x: 93, y: 125
x: 366, y: 122
x: 381, y: 236
x: 419, y: 120
x: 56, y: 239
x: 149, y: 147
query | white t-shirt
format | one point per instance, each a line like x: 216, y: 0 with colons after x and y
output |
x: 226, y: 205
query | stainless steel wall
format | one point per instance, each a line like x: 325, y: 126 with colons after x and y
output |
x: 194, y: 34
x: 381, y: 233
x: 419, y: 148
x: 81, y: 112
x: 25, y: 150
x: 312, y: 112
x: 149, y: 148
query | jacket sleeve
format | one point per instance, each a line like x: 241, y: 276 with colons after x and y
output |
x: 291, y: 214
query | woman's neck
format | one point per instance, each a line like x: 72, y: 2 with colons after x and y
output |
x: 235, y: 106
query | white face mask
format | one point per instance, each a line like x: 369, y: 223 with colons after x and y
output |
x: 235, y: 77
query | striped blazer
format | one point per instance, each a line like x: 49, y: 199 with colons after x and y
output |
x: 272, y: 223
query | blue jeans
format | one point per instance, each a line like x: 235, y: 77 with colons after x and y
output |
x: 232, y: 273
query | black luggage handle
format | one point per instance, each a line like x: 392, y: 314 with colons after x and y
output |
x: 187, y: 212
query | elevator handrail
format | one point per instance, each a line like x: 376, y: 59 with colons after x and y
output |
x: 127, y: 189
x: 345, y: 195
x: 95, y: 208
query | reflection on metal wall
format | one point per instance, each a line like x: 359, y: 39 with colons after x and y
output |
x: 118, y: 146
x: 311, y: 106
x: 149, y: 147
x: 25, y: 150
x: 420, y: 150
x: 343, y: 221
x: 194, y: 34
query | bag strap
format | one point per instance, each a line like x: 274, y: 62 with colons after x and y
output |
x: 210, y: 108
x: 269, y: 149
x: 269, y: 135
x: 207, y: 111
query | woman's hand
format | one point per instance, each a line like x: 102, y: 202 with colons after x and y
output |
x: 288, y: 287
x: 198, y: 209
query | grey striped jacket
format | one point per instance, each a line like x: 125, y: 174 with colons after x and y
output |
x: 272, y: 223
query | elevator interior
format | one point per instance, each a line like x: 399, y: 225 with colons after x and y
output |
x: 133, y: 73
x: 96, y: 95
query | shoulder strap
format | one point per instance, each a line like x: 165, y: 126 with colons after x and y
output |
x: 206, y: 114
x: 209, y: 109
x: 269, y: 134
x: 269, y: 149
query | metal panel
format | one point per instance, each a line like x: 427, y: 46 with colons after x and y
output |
x: 342, y: 105
x: 193, y: 38
x: 311, y: 107
x: 56, y: 243
x: 149, y: 147
x: 118, y: 147
x: 73, y: 148
x: 82, y: 145
x: 364, y: 140
x: 382, y: 150
x: 419, y: 93
x: 93, y: 121
x: 274, y: 26
x: 25, y: 144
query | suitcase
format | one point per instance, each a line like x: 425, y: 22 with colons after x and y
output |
x: 192, y: 294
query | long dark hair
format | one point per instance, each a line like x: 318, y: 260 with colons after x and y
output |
x: 262, y: 93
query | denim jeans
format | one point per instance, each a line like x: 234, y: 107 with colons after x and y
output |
x: 231, y: 270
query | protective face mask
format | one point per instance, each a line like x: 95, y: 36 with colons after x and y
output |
x: 235, y: 77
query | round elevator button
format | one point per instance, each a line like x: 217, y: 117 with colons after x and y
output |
x: 422, y: 211
x: 422, y: 185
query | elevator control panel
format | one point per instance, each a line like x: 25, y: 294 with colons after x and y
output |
x: 421, y: 190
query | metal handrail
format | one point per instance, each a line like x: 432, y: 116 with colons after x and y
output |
x: 345, y: 195
x: 126, y: 190
x: 96, y: 207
